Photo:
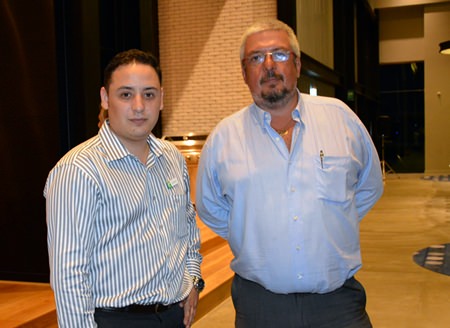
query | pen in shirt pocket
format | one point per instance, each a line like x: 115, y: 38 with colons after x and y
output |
x: 322, y: 155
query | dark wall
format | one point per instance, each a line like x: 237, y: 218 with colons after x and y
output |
x: 401, y: 123
x: 51, y: 62
x: 29, y: 134
x: 356, y: 58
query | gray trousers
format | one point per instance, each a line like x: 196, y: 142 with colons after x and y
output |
x: 257, y: 307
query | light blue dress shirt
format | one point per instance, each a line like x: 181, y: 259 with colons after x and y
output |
x: 119, y: 232
x: 291, y: 218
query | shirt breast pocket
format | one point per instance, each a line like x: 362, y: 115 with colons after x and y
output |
x: 335, y: 178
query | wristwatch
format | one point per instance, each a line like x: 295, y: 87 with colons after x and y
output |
x: 199, y: 283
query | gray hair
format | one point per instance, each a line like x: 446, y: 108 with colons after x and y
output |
x: 270, y: 25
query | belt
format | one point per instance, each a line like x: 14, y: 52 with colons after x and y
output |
x: 138, y: 308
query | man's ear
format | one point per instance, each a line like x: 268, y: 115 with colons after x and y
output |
x: 298, y: 64
x: 244, y: 74
x: 104, y: 98
x: 161, y: 107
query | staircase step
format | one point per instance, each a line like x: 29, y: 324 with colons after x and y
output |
x: 26, y: 304
x: 217, y: 275
x: 37, y: 302
x: 210, y: 241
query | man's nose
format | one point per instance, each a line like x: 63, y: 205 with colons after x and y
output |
x: 268, y: 60
x: 138, y: 103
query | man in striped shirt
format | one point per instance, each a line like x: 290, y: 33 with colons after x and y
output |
x: 122, y: 237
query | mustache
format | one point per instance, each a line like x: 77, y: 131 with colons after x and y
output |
x: 271, y: 75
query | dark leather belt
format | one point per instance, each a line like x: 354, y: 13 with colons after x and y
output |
x: 138, y: 308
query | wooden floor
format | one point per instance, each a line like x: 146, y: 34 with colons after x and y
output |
x: 32, y: 305
x: 412, y: 214
x: 26, y: 305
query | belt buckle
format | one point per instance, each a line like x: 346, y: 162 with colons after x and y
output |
x: 157, y: 305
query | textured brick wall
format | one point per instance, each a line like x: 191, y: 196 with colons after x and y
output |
x: 199, y: 49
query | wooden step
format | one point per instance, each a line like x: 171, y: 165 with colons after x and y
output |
x: 215, y: 270
x: 209, y: 239
x: 217, y: 275
x: 28, y: 305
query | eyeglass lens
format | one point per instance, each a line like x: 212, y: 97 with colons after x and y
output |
x: 277, y: 56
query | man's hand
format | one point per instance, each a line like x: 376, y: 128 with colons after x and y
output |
x: 190, y: 307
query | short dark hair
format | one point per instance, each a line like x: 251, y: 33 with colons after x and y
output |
x: 128, y: 57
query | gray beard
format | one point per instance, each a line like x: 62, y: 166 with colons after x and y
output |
x: 275, y: 98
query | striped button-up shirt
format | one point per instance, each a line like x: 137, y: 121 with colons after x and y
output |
x: 119, y: 232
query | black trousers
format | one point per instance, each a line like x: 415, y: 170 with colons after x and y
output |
x: 257, y: 307
x: 171, y: 318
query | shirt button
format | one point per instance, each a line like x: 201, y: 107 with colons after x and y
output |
x: 292, y: 189
x: 297, y: 247
x: 295, y: 218
x: 299, y: 276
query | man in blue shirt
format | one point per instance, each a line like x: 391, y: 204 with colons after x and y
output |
x: 286, y: 181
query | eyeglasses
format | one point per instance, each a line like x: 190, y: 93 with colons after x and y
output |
x: 278, y: 56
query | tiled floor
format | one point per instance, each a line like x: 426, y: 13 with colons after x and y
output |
x: 413, y: 214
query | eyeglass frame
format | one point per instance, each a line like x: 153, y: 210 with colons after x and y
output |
x: 246, y: 59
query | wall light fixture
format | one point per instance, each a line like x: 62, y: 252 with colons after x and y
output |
x: 444, y: 47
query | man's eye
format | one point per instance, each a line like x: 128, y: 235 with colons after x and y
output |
x: 256, y: 58
x: 280, y: 56
x: 125, y: 95
x: 149, y: 95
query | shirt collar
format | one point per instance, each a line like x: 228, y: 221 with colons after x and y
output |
x: 115, y: 150
x: 264, y: 118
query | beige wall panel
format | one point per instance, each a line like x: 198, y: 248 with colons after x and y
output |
x: 199, y: 49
